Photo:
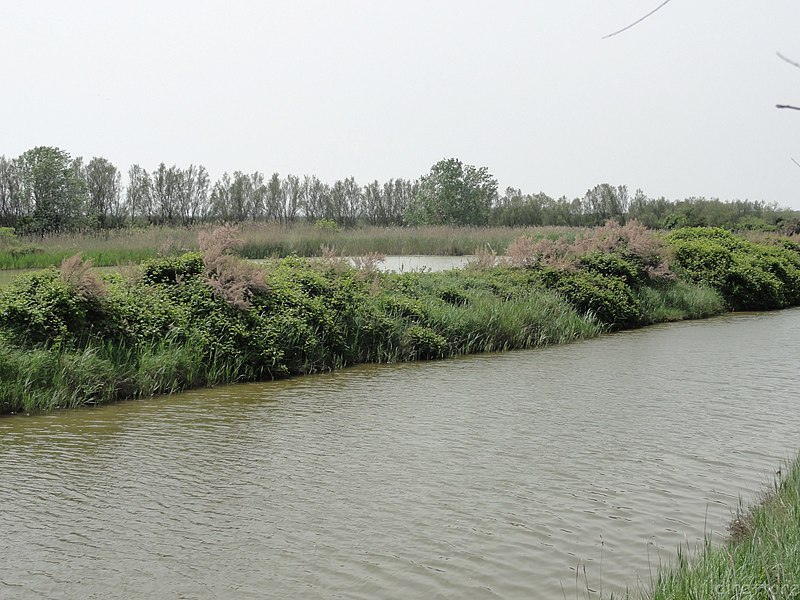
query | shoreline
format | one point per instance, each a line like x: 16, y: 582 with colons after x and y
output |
x: 760, y: 558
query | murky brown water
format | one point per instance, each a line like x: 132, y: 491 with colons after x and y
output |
x: 490, y: 476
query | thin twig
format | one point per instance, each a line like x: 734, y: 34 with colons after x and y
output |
x: 789, y: 106
x: 652, y: 12
x: 795, y: 162
x: 788, y: 60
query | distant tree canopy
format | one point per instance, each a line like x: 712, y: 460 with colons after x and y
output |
x: 453, y: 194
x: 45, y: 190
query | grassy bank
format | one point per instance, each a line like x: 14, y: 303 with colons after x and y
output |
x: 761, y: 560
x: 267, y: 240
x: 71, y: 336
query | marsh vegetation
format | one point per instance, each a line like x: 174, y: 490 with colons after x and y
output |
x: 72, y: 336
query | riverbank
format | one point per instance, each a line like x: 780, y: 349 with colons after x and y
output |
x: 71, y: 337
x: 761, y: 559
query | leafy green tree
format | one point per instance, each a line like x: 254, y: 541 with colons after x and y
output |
x: 52, y: 185
x: 453, y: 194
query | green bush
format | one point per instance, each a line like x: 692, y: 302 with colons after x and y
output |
x: 41, y: 309
x: 749, y: 276
x: 609, y: 299
x: 423, y: 343
x: 172, y: 269
x: 611, y: 264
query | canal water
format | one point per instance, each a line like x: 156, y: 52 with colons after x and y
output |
x: 558, y: 472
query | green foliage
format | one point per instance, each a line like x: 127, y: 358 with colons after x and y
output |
x: 173, y: 269
x: 611, y: 264
x: 749, y: 276
x: 608, y: 298
x: 326, y: 225
x: 8, y: 237
x: 423, y: 343
x: 453, y: 194
x: 678, y: 300
x: 53, y: 188
x: 41, y: 309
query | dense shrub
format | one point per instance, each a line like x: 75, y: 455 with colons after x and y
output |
x: 608, y: 298
x: 610, y: 264
x: 43, y: 309
x: 173, y: 269
x: 749, y: 276
x: 423, y: 343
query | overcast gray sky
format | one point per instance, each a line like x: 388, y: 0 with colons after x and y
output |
x: 683, y: 104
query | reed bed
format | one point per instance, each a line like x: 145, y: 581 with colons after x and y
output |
x: 265, y: 240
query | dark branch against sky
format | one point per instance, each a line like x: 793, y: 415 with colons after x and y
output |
x: 635, y: 23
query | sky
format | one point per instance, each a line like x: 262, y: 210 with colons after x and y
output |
x: 681, y: 105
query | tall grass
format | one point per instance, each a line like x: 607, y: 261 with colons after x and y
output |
x: 486, y: 325
x: 266, y: 240
x: 43, y: 379
x: 677, y: 301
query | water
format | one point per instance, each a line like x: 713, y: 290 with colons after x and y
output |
x: 422, y: 262
x: 493, y: 476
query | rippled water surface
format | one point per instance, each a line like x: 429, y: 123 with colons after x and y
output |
x: 493, y: 476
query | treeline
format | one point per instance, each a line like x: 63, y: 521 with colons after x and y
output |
x: 45, y: 190
x: 605, y: 202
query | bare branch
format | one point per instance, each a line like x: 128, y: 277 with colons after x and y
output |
x: 652, y: 12
x: 789, y: 106
x: 795, y: 162
x: 788, y: 60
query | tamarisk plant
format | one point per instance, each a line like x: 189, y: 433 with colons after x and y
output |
x: 230, y: 277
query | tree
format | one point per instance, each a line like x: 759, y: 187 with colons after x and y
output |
x: 453, y: 194
x: 292, y: 194
x: 274, y: 198
x: 316, y: 198
x: 139, y: 194
x: 193, y: 204
x: 12, y: 206
x: 104, y: 186
x: 604, y: 202
x: 167, y: 187
x: 51, y: 185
